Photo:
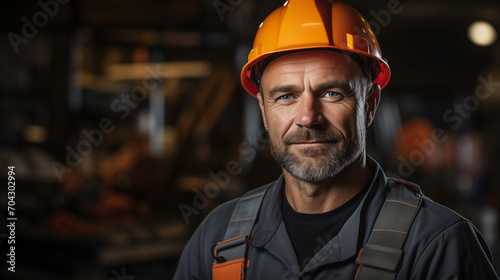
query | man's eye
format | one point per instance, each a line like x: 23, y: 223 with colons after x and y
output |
x: 332, y: 94
x: 285, y: 97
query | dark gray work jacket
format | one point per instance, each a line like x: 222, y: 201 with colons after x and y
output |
x: 441, y: 244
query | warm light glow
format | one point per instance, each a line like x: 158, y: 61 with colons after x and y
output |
x: 482, y: 33
x: 35, y: 133
x: 165, y: 70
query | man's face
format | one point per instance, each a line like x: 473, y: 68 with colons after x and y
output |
x: 314, y: 108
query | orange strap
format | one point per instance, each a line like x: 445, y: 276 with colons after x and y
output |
x: 230, y: 254
x: 230, y: 270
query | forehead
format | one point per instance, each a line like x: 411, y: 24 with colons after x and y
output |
x: 317, y: 63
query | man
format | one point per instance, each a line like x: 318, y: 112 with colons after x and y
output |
x: 317, y: 71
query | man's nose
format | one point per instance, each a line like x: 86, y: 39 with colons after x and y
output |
x: 309, y: 112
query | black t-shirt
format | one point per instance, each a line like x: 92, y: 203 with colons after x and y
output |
x: 309, y: 232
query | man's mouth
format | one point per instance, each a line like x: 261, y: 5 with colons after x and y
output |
x: 310, y: 143
x: 312, y: 138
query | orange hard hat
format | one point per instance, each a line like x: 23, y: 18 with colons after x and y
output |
x: 314, y: 24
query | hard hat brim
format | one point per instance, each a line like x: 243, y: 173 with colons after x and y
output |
x: 251, y: 86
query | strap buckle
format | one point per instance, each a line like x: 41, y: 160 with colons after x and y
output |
x: 231, y: 249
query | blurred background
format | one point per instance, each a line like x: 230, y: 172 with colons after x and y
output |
x: 127, y: 124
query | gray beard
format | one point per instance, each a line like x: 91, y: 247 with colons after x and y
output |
x: 318, y: 164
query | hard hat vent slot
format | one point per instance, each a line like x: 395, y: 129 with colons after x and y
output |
x: 326, y: 16
x: 356, y: 42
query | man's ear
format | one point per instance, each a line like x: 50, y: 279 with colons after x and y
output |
x: 262, y: 110
x: 372, y: 101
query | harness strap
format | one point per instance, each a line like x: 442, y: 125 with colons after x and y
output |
x: 230, y: 254
x: 380, y: 257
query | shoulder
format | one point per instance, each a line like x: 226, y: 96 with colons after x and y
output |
x: 437, y: 223
x: 196, y: 259
x: 213, y: 227
x: 434, y: 219
x: 435, y: 215
x: 222, y: 214
x: 442, y: 243
x: 431, y: 218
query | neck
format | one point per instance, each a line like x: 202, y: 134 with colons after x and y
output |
x: 314, y: 198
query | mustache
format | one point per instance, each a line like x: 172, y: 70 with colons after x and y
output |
x: 310, y: 135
